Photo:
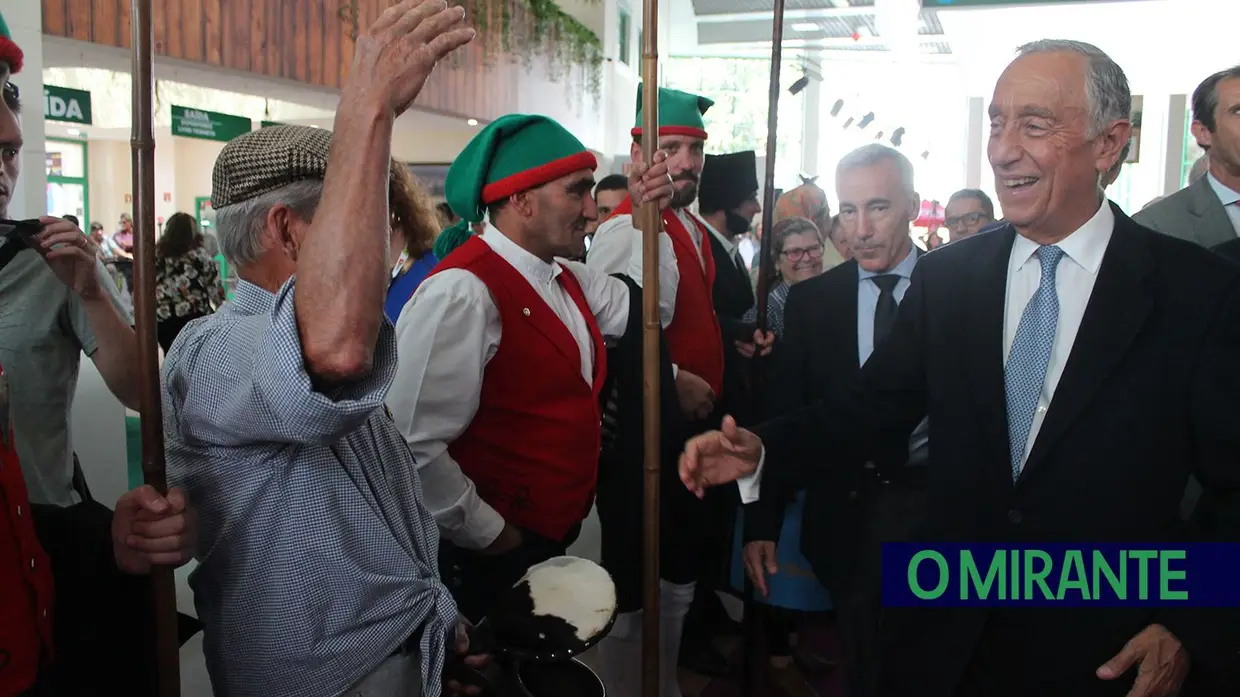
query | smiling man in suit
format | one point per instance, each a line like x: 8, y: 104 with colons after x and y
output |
x: 1096, y: 371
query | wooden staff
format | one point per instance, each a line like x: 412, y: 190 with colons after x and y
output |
x: 765, y: 272
x: 651, y: 225
x: 765, y: 265
x: 167, y: 643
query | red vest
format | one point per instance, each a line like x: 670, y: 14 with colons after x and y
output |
x: 693, y: 337
x: 26, y: 580
x: 532, y: 447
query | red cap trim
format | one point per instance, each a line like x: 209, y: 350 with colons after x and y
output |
x: 675, y: 131
x: 11, y: 53
x: 530, y: 178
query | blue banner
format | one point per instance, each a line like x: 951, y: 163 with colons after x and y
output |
x: 1061, y: 575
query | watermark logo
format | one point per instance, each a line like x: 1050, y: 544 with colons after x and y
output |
x: 1200, y: 575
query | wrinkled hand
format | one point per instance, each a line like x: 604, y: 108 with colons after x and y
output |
x: 478, y: 662
x: 653, y: 183
x: 759, y: 558
x: 393, y: 59
x: 1161, y: 660
x: 719, y: 457
x: 762, y: 344
x: 697, y: 399
x: 149, y: 530
x: 71, y: 255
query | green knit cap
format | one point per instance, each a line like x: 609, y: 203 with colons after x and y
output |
x: 451, y: 238
x: 512, y: 154
x: 10, y: 52
x: 680, y: 113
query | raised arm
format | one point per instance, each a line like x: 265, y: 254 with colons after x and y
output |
x: 343, y: 261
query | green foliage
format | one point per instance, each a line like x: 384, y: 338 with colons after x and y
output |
x: 521, y: 30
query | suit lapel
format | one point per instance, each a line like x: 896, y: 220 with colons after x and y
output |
x: 983, y: 334
x: 1213, y: 224
x: 1118, y: 308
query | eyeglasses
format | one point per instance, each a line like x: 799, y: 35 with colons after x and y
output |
x: 799, y: 254
x: 966, y: 220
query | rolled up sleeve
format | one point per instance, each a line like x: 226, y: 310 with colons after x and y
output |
x: 241, y: 379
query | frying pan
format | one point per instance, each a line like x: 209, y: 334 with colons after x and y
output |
x: 560, y: 608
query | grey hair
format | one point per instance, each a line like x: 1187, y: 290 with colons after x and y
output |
x: 787, y: 228
x: 872, y: 154
x: 239, y: 227
x: 1106, y: 87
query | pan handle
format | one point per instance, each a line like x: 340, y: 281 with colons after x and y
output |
x: 491, y: 679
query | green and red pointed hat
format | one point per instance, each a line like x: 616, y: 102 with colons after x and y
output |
x: 10, y: 52
x: 680, y: 113
x: 512, y: 154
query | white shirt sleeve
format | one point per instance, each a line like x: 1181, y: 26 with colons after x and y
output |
x: 445, y: 336
x: 617, y: 248
x: 750, y: 486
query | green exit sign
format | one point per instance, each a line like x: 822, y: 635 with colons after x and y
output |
x: 952, y: 4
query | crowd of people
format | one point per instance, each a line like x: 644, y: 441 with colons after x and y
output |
x: 401, y: 408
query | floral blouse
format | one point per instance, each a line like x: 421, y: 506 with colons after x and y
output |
x: 187, y: 286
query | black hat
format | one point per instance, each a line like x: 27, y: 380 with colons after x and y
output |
x: 728, y: 180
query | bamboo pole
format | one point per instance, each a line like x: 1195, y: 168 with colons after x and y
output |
x: 765, y: 266
x: 650, y: 225
x: 163, y: 589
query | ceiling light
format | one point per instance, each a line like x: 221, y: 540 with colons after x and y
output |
x: 805, y: 26
x: 897, y: 136
x: 866, y: 120
x: 849, y: 122
x: 879, y: 136
x: 472, y: 122
x: 835, y: 110
x: 801, y: 83
x: 74, y: 132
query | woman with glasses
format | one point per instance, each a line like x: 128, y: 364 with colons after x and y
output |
x: 797, y: 248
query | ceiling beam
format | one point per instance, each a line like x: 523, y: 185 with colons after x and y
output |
x: 789, y: 15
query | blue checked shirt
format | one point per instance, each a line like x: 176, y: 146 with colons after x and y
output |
x: 316, y: 556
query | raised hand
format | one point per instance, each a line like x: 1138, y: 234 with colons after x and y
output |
x: 652, y: 183
x: 1161, y: 660
x: 72, y: 256
x: 393, y: 59
x: 719, y: 457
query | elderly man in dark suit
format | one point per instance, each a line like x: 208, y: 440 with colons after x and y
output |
x: 1208, y: 210
x: 1095, y: 370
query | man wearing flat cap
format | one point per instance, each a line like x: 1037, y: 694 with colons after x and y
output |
x: 502, y: 360
x: 317, y: 573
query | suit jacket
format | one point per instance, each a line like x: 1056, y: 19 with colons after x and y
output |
x: 1230, y: 249
x: 1147, y: 396
x: 1193, y: 213
x: 733, y: 296
x: 817, y: 358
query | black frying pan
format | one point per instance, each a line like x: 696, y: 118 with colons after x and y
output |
x: 560, y: 608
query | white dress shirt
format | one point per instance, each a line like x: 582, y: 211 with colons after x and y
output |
x: 445, y: 336
x: 1074, y: 282
x: 1229, y: 198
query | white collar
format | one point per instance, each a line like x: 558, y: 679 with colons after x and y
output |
x: 529, y: 265
x: 1085, y: 245
x: 1225, y: 193
x: 727, y: 244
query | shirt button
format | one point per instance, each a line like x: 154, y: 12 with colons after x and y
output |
x: 1014, y: 517
x: 19, y: 511
x: 32, y: 563
x: 1041, y: 410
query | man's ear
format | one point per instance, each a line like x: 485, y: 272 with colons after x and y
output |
x: 1204, y: 138
x: 914, y: 209
x: 523, y: 203
x: 280, y: 226
x: 1112, y: 141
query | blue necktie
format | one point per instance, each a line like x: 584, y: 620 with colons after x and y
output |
x: 1025, y: 372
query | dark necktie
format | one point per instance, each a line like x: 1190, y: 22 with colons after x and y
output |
x: 885, y: 311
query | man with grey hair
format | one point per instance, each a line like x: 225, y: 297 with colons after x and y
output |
x: 832, y: 324
x: 1207, y: 211
x: 1029, y: 444
x: 317, y: 572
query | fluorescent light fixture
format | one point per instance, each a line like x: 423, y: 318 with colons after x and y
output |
x: 472, y: 122
x: 804, y: 26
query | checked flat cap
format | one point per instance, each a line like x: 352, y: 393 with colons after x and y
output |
x: 260, y: 161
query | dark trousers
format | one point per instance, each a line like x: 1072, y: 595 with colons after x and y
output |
x: 891, y: 515
x: 477, y: 580
x: 167, y: 330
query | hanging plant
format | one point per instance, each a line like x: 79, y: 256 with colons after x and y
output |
x: 521, y: 30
